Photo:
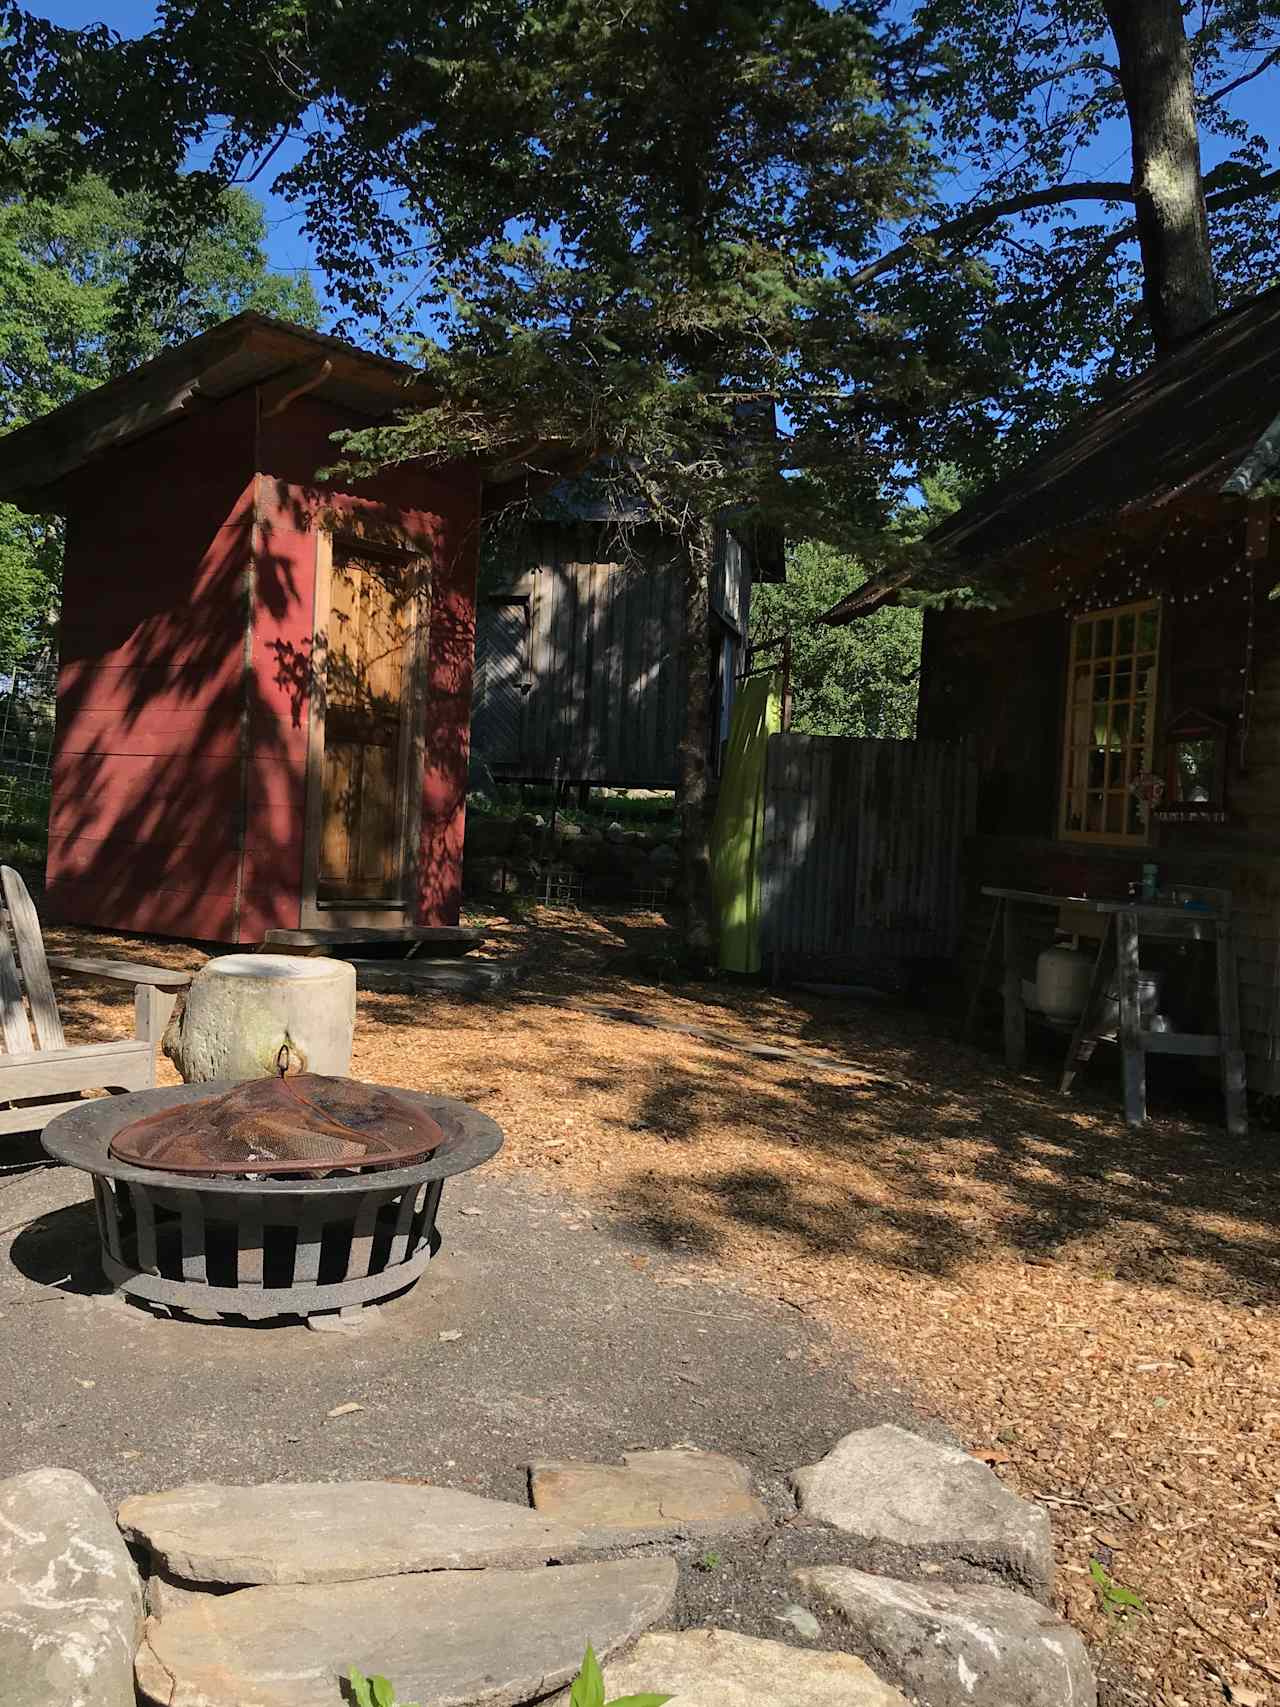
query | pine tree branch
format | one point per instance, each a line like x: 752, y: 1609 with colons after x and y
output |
x: 977, y: 219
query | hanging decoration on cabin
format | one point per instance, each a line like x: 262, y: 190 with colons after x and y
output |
x: 1196, y: 744
x: 1180, y: 564
x: 1147, y: 788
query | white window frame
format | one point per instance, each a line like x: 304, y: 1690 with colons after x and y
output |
x: 1108, y: 738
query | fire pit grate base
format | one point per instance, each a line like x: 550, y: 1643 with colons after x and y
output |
x: 260, y: 1249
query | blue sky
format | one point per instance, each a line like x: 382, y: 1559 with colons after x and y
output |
x: 290, y: 250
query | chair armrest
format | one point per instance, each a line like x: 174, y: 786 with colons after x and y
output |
x: 121, y: 971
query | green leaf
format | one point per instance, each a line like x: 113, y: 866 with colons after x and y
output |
x: 360, y: 1687
x: 1116, y: 1599
x: 588, y: 1686
x: 638, y: 1701
x: 383, y: 1694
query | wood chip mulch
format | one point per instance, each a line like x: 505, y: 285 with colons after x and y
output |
x: 1096, y: 1312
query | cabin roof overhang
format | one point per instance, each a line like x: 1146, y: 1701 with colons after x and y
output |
x: 250, y: 349
x: 1193, y: 436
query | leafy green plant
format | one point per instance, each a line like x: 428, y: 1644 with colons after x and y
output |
x: 373, y: 1691
x: 710, y: 1561
x: 1117, y: 1600
x: 588, y: 1689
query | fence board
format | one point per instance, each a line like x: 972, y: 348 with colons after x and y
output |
x: 861, y: 851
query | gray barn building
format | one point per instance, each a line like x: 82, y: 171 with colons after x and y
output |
x: 580, y: 653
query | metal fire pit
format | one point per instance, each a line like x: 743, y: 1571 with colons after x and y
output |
x: 256, y: 1248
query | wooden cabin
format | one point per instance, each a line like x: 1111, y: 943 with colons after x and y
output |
x: 580, y: 654
x: 1123, y: 699
x: 264, y: 688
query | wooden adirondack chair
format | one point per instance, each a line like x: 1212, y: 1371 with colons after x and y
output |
x: 35, y: 1060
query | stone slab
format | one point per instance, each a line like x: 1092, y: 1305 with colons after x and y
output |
x: 70, y: 1596
x: 667, y: 1491
x: 888, y: 1485
x: 447, y: 1639
x: 474, y: 976
x: 324, y: 1532
x: 956, y: 1646
x: 166, y: 1595
x: 719, y: 1668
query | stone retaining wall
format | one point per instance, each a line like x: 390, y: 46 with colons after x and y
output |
x: 514, y: 855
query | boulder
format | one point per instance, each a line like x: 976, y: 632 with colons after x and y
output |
x: 568, y: 831
x: 719, y: 1668
x: 241, y: 1010
x: 665, y: 856
x: 887, y: 1485
x: 489, y: 877
x: 447, y: 1638
x: 956, y: 1646
x: 325, y: 1532
x: 615, y: 833
x: 488, y: 835
x: 70, y: 1596
x: 530, y: 823
x: 676, y: 1491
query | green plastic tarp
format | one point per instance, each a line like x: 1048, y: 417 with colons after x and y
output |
x: 737, y: 834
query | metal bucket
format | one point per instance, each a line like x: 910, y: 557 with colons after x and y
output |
x: 1105, y: 1021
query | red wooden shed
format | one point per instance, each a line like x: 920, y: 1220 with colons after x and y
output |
x: 265, y: 679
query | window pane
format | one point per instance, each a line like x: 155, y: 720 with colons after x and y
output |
x: 1109, y: 722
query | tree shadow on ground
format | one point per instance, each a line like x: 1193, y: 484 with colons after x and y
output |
x: 929, y: 1158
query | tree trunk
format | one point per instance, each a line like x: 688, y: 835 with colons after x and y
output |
x: 693, y: 793
x: 1173, y: 228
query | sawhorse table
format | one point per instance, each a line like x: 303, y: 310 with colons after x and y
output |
x: 1126, y: 924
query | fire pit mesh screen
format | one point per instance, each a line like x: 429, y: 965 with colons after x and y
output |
x: 308, y: 1124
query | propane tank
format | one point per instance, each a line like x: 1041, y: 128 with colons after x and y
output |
x: 1062, y: 982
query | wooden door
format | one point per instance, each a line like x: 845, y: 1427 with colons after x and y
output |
x: 366, y: 729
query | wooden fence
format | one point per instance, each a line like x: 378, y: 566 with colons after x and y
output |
x: 862, y: 849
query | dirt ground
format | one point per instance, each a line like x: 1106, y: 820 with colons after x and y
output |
x: 1095, y: 1312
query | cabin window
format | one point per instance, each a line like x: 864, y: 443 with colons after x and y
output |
x: 1110, y: 722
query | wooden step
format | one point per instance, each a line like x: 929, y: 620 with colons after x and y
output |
x: 440, y: 939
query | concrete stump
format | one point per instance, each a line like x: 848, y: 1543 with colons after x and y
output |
x: 242, y: 1009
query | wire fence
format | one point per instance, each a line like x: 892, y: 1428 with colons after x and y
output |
x: 28, y: 698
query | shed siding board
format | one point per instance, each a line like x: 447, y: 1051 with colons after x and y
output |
x: 606, y: 652
x: 180, y: 756
x: 861, y: 849
x: 157, y: 550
